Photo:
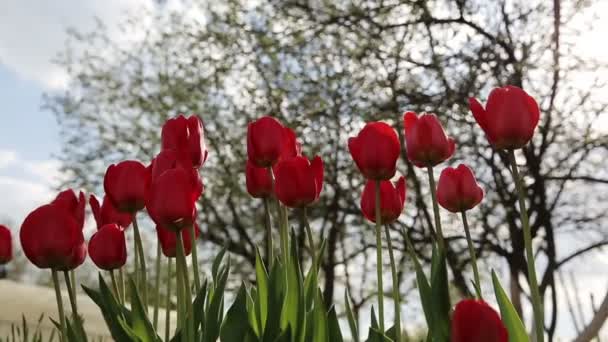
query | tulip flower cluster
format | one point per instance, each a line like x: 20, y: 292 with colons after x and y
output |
x: 284, y: 304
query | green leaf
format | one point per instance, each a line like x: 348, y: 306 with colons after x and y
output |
x: 261, y: 300
x: 321, y: 333
x: 292, y: 313
x: 514, y: 325
x: 352, y: 322
x: 214, y: 316
x: 140, y: 323
x: 234, y: 328
x: 276, y: 293
x: 335, y: 335
x: 440, y: 298
x: 216, y: 263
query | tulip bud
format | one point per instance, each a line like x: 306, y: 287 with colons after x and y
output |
x: 458, y: 190
x: 107, y: 213
x: 125, y: 185
x: 425, y: 140
x: 187, y: 137
x: 6, y: 245
x: 298, y: 181
x: 392, y: 200
x: 168, y: 241
x: 258, y: 180
x: 268, y: 140
x: 108, y: 248
x: 509, y: 119
x: 375, y: 150
x: 476, y: 321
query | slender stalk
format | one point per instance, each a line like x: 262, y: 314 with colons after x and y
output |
x: 71, y: 293
x: 180, y: 297
x: 64, y: 333
x: 121, y: 280
x: 183, y: 269
x: 196, y: 276
x: 115, y: 287
x: 142, y: 263
x: 537, y: 304
x: 311, y: 241
x: 440, y: 239
x: 283, y: 230
x: 268, y: 223
x: 136, y: 265
x: 157, y: 285
x: 379, y: 258
x: 168, y: 302
x: 465, y: 223
x: 396, y: 295
x: 74, y: 285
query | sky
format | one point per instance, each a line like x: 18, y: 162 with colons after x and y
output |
x: 32, y: 32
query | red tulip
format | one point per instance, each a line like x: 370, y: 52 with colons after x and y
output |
x: 509, y: 119
x: 68, y: 200
x: 298, y: 181
x: 458, y: 190
x: 51, y: 235
x: 6, y: 245
x: 258, y: 180
x: 425, y: 140
x: 376, y: 150
x: 476, y: 321
x: 267, y: 140
x: 392, y: 200
x: 108, y: 248
x: 168, y: 241
x: 107, y: 213
x: 187, y: 137
x: 125, y: 185
x: 173, y: 192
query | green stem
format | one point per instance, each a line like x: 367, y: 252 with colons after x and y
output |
x: 396, y: 295
x: 537, y: 304
x: 115, y: 287
x: 135, y: 266
x: 64, y: 333
x: 197, y: 279
x: 379, y: 258
x: 142, y: 260
x: 183, y: 269
x: 74, y: 285
x: 168, y: 302
x: 440, y: 239
x: 121, y: 280
x: 157, y: 285
x: 71, y: 293
x: 268, y: 223
x: 180, y: 297
x: 311, y: 241
x: 284, y: 232
x: 472, y: 254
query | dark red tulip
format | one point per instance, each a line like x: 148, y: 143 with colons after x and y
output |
x: 108, y: 248
x: 173, y: 192
x: 476, y: 321
x: 298, y: 182
x: 258, y: 180
x: 125, y: 185
x: 168, y: 241
x: 392, y: 200
x: 51, y: 235
x: 73, y: 204
x: 509, y: 119
x: 267, y: 140
x: 187, y: 137
x: 458, y: 190
x: 6, y: 245
x: 106, y: 213
x: 425, y: 140
x: 376, y: 150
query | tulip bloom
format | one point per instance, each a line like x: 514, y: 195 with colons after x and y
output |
x: 375, y: 150
x: 392, y: 200
x: 108, y: 248
x: 125, y: 185
x: 168, y: 241
x: 258, y: 180
x: 51, y: 235
x: 106, y: 213
x: 298, y: 181
x: 425, y: 140
x: 6, y: 245
x: 476, y: 321
x: 173, y: 192
x: 458, y: 190
x: 187, y: 137
x: 268, y: 140
x: 509, y: 119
